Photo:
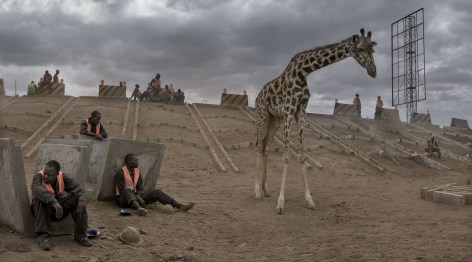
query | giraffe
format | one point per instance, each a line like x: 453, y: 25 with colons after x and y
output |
x: 285, y: 98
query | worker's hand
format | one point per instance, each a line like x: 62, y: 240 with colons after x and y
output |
x: 100, y: 137
x: 81, y: 208
x: 59, y: 210
x: 141, y: 201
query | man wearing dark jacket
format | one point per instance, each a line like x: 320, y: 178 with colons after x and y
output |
x: 130, y: 189
x: 55, y: 195
x: 92, y: 126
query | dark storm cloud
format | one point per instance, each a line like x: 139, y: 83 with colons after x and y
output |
x: 204, y: 46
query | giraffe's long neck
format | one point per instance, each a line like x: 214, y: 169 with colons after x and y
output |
x: 311, y: 60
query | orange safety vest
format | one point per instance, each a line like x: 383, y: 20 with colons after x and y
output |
x: 89, y: 127
x: 49, y: 188
x: 128, y: 182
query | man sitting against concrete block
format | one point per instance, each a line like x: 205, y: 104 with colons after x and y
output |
x: 92, y: 126
x: 55, y: 195
x: 130, y: 189
x: 432, y: 145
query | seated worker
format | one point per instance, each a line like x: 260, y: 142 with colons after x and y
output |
x: 56, y: 77
x: 417, y: 158
x: 136, y: 93
x: 130, y: 187
x: 179, y: 97
x: 55, y: 195
x: 92, y: 126
x: 165, y: 95
x: 432, y: 145
x: 383, y: 153
x: 31, y: 89
x: 47, y: 79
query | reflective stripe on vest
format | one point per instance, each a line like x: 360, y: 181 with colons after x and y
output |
x: 89, y: 127
x: 49, y: 188
x: 127, y: 179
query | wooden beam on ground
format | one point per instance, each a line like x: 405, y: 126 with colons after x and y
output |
x: 50, y: 130
x: 45, y: 124
x: 135, y: 126
x: 218, y: 143
x: 212, y: 150
x: 125, y: 123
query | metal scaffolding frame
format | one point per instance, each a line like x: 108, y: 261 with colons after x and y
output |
x: 408, y: 62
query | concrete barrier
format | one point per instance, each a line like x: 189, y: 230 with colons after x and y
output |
x: 421, y: 118
x: 111, y: 91
x: 345, y: 110
x: 107, y: 156
x: 56, y: 89
x: 462, y: 123
x: 74, y: 159
x: 98, y: 149
x: 2, y: 88
x: 234, y: 100
x: 150, y: 157
x: 390, y: 114
x: 14, y: 198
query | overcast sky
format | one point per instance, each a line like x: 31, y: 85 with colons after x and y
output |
x: 204, y: 46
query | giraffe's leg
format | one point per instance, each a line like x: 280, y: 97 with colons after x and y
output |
x: 274, y: 123
x: 286, y: 157
x: 262, y: 125
x: 302, y: 159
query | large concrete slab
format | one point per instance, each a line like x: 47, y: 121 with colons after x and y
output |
x: 448, y: 198
x: 107, y: 156
x: 150, y: 157
x: 74, y: 159
x: 345, y: 110
x: 96, y: 165
x: 419, y: 118
x: 462, y: 123
x: 390, y: 114
x: 14, y: 198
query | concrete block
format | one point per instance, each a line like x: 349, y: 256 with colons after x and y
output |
x: 96, y: 165
x: 150, y: 157
x: 448, y: 198
x: 345, y: 110
x: 466, y: 194
x: 14, y: 198
x: 107, y: 156
x: 74, y: 159
x: 428, y: 193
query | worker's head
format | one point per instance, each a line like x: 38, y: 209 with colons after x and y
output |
x: 158, y: 76
x: 57, y: 71
x: 357, y: 95
x: 166, y: 87
x: 432, y: 138
x: 51, y: 171
x: 137, y: 86
x: 131, y: 160
x: 47, y: 72
x: 95, y: 117
x: 378, y: 97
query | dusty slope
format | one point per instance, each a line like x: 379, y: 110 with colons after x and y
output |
x: 362, y: 215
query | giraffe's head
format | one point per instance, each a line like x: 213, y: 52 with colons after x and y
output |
x: 362, y: 50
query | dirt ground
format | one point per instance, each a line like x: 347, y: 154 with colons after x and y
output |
x: 362, y: 214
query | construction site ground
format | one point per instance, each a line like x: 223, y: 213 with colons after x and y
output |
x: 367, y: 210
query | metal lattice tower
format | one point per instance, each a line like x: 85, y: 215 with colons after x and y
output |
x: 408, y: 62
